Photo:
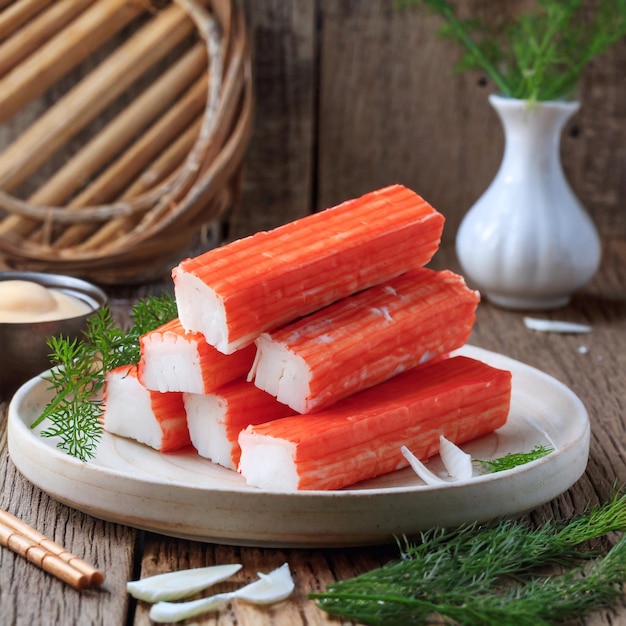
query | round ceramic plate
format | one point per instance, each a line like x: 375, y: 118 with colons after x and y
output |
x: 183, y: 495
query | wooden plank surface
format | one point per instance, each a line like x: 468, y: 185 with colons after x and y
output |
x: 392, y: 110
x: 278, y: 181
x: 592, y: 365
x: 389, y: 108
x: 393, y: 113
x: 30, y: 596
x: 350, y: 96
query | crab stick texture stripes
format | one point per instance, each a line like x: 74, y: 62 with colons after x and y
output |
x: 216, y: 419
x: 149, y: 417
x: 175, y: 360
x: 365, y: 339
x: 361, y: 437
x: 233, y: 293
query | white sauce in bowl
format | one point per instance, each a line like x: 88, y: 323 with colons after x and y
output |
x: 23, y: 301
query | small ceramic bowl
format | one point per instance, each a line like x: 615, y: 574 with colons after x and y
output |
x: 23, y: 345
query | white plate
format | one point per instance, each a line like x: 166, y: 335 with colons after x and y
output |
x: 183, y: 495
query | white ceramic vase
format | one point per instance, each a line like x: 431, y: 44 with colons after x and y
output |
x: 528, y: 243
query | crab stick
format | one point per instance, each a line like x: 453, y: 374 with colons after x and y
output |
x: 175, y: 360
x: 361, y: 437
x: 233, y: 293
x: 365, y: 339
x: 216, y: 419
x: 150, y: 417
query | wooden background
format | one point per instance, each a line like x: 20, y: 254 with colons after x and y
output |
x: 355, y: 94
x: 352, y: 95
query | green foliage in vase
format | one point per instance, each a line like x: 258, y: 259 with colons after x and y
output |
x: 539, y: 55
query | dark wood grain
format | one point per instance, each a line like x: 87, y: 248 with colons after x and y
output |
x: 278, y: 176
x: 356, y: 95
x: 350, y: 96
x: 400, y: 116
x: 30, y: 596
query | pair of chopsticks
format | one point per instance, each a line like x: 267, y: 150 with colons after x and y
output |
x: 46, y: 554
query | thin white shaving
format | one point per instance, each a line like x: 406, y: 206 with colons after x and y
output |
x: 458, y: 464
x: 555, y: 326
x: 420, y: 469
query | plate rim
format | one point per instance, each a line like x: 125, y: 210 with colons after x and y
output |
x: 17, y: 428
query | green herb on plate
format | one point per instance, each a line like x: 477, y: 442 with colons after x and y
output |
x: 509, y: 573
x: 80, y: 367
x: 513, y: 459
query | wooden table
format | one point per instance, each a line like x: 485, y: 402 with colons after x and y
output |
x: 592, y: 365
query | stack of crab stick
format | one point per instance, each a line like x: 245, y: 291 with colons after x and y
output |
x: 156, y: 419
x: 307, y: 356
x: 362, y: 436
x: 233, y: 293
x: 216, y: 419
x: 364, y: 339
x: 175, y: 360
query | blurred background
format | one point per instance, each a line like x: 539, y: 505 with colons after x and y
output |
x: 352, y: 95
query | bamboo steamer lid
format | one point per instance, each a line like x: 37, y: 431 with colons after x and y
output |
x: 124, y: 124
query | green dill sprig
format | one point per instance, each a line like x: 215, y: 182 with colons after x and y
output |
x: 513, y: 459
x: 476, y: 575
x: 150, y: 313
x: 539, y: 55
x: 80, y: 367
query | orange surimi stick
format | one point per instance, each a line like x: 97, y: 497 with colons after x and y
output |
x: 174, y: 360
x: 361, y: 437
x: 233, y: 293
x: 216, y: 419
x: 365, y: 339
x: 150, y: 417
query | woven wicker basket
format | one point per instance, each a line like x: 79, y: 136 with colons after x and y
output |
x: 133, y: 118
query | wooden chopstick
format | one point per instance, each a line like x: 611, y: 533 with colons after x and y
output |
x: 46, y: 554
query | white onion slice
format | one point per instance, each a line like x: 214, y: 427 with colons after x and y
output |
x: 555, y: 326
x: 458, y: 464
x: 270, y: 588
x: 181, y: 584
x: 420, y: 469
